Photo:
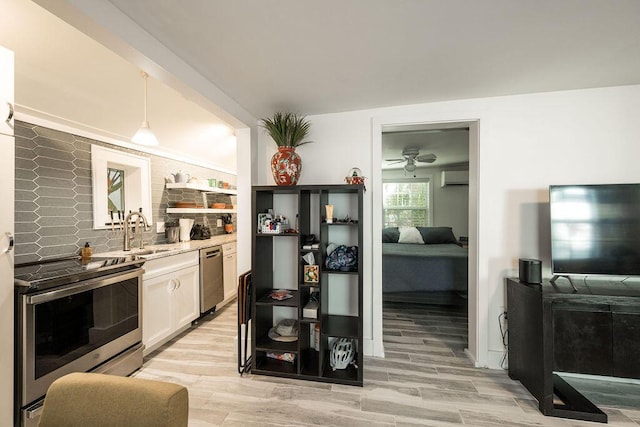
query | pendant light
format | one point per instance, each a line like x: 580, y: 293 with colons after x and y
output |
x: 144, y: 135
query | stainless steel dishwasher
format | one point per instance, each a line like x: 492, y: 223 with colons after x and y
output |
x: 211, y: 283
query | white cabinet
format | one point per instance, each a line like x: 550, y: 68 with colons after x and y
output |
x: 157, y: 303
x: 186, y: 296
x: 170, y: 297
x: 230, y: 270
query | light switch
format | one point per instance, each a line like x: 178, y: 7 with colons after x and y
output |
x: 218, y: 222
x: 160, y: 227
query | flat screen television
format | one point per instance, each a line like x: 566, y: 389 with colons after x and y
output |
x: 595, y: 229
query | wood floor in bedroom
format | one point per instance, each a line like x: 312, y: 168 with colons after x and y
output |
x: 425, y: 380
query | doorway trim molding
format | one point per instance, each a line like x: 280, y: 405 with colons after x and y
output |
x: 477, y: 345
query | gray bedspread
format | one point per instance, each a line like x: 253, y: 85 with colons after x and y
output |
x: 410, y: 267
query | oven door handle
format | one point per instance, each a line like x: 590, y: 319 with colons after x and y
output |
x: 34, y: 411
x: 80, y: 287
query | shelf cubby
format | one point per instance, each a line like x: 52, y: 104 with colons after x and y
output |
x: 340, y: 326
x: 265, y: 299
x: 350, y: 375
x: 264, y: 343
x: 267, y: 365
x: 309, y: 362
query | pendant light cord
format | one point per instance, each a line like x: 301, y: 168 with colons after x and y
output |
x: 144, y: 76
x: 144, y: 135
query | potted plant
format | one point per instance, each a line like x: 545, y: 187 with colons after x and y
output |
x: 288, y: 131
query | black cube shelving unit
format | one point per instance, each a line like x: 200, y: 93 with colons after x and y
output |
x: 277, y: 263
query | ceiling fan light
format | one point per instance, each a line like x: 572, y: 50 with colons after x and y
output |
x: 410, y: 167
x: 144, y: 136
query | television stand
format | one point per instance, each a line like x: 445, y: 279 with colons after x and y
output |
x: 557, y: 276
x: 553, y: 329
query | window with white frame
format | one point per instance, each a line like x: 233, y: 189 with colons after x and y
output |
x: 121, y: 181
x: 406, y: 203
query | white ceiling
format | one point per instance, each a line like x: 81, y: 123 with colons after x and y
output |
x: 450, y: 145
x: 61, y: 75
x: 242, y: 60
x: 334, y: 55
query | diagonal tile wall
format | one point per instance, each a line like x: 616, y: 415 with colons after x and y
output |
x: 53, y: 195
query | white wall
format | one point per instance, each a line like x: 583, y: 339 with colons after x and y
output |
x: 526, y: 143
x: 244, y: 156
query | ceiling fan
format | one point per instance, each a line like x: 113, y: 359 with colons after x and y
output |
x: 411, y: 155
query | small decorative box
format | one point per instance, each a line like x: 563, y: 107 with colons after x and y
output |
x: 310, y: 311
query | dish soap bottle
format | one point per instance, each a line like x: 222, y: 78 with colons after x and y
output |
x: 87, y: 251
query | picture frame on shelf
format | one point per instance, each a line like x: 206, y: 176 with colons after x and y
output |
x: 311, y: 273
x: 262, y: 220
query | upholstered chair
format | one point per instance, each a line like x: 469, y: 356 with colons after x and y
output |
x: 96, y: 400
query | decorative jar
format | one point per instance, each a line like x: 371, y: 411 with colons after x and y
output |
x: 286, y: 166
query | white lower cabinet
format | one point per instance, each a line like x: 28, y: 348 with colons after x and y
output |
x: 230, y: 270
x: 170, y: 297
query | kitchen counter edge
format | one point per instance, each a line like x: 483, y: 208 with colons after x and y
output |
x: 169, y: 249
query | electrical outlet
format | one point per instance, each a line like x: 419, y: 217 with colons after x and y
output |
x: 160, y: 227
x: 218, y: 222
x: 503, y: 311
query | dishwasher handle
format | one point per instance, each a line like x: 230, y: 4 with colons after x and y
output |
x: 211, y: 253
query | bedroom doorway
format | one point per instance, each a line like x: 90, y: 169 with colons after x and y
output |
x: 425, y: 187
x: 436, y: 160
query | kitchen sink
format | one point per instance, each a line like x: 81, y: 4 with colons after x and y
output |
x: 150, y: 251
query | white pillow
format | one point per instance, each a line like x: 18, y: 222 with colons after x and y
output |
x: 410, y: 235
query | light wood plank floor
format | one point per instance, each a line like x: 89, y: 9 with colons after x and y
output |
x: 425, y: 380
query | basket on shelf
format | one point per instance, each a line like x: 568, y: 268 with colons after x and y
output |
x: 273, y: 227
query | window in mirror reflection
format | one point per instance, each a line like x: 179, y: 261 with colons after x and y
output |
x: 115, y: 190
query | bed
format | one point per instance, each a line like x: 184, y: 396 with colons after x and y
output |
x: 409, y: 265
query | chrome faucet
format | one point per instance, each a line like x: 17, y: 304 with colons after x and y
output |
x: 130, y: 230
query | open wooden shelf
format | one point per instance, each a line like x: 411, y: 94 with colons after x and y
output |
x: 200, y: 210
x: 200, y: 187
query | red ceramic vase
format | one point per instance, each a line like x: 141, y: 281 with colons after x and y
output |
x: 286, y: 166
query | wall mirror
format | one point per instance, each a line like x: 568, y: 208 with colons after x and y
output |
x: 121, y: 182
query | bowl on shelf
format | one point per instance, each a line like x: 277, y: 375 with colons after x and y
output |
x: 190, y: 205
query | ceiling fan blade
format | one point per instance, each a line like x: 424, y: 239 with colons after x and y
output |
x: 394, y: 160
x: 426, y: 158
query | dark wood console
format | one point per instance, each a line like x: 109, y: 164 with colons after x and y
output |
x: 554, y: 329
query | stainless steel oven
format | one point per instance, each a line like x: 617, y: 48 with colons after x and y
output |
x: 79, y: 318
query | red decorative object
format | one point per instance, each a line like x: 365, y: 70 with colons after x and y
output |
x: 354, y: 177
x: 286, y: 166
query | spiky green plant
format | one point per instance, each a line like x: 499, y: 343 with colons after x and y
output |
x: 287, y: 129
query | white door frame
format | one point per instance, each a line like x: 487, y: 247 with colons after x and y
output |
x: 7, y: 194
x: 478, y: 336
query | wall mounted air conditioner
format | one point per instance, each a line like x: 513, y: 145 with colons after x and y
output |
x: 454, y: 178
